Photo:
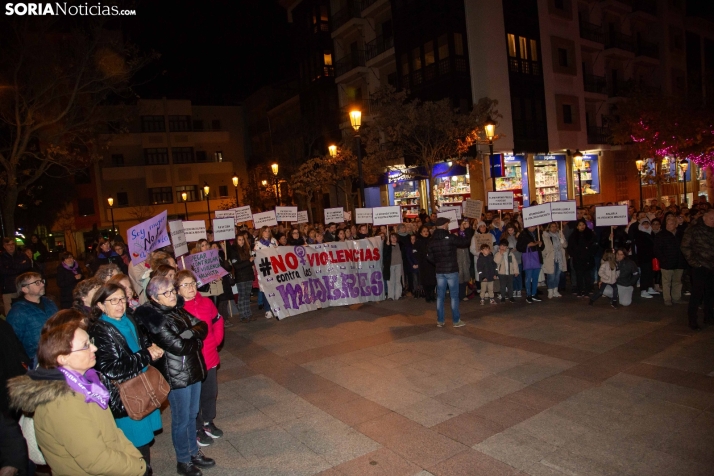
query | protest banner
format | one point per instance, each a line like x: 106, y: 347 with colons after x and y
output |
x: 264, y: 219
x: 243, y: 214
x: 347, y: 216
x: 612, y: 215
x: 500, y: 200
x: 456, y: 208
x: 206, y: 266
x: 178, y: 238
x: 146, y: 237
x: 194, y: 230
x: 363, y: 215
x: 451, y: 215
x: 386, y: 215
x: 224, y: 229
x: 302, y: 217
x: 473, y: 208
x: 563, y: 211
x: 297, y: 279
x: 536, y: 215
x: 286, y: 213
x: 334, y: 215
x: 226, y: 214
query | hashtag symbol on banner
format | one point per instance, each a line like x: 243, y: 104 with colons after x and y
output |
x: 265, y: 266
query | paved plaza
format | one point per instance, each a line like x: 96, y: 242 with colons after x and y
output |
x: 550, y: 389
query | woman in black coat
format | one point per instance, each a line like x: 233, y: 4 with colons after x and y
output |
x: 68, y: 275
x: 106, y: 255
x: 427, y: 270
x: 241, y: 259
x: 582, y: 248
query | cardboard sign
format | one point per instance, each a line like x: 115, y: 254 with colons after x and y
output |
x: 347, y: 216
x: 178, y: 238
x: 363, y: 215
x: 265, y: 219
x: 386, y: 215
x: 286, y: 213
x: 206, y: 266
x: 613, y: 215
x: 243, y: 214
x: 473, y: 208
x: 226, y: 214
x: 224, y: 229
x: 453, y: 219
x: 302, y: 217
x: 500, y: 200
x: 194, y: 230
x: 563, y: 211
x: 146, y: 237
x: 334, y: 215
x: 456, y: 208
x: 537, y: 215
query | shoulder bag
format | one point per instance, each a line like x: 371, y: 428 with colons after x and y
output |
x: 530, y: 259
x: 144, y: 393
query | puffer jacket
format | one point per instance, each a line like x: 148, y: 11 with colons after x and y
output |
x: 668, y: 250
x: 698, y: 245
x: 182, y: 364
x: 204, y: 309
x: 608, y: 275
x: 629, y: 273
x: 242, y: 268
x: 115, y: 360
x: 486, y: 268
x: 442, y: 251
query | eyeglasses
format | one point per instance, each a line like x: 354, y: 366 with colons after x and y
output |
x: 90, y: 342
x: 192, y: 284
x: 115, y: 301
x: 168, y: 293
x: 34, y: 282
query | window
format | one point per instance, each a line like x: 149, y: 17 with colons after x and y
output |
x: 197, y: 125
x: 191, y: 193
x: 201, y: 156
x: 458, y: 44
x: 182, y: 155
x: 179, y: 123
x: 160, y: 195
x: 117, y: 160
x: 429, y: 53
x: 223, y: 190
x: 534, y: 50
x: 216, y: 124
x: 512, y: 45
x: 153, y: 124
x: 563, y: 57
x: 156, y: 156
x: 416, y: 59
x: 218, y: 156
x: 327, y: 58
x: 567, y: 114
x: 443, y: 44
x: 523, y: 46
x: 85, y: 207
x: 122, y: 199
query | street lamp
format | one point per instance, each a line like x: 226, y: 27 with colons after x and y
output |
x: 640, y: 165
x: 110, y: 200
x: 206, y: 190
x: 490, y: 129
x: 684, y: 165
x: 333, y: 151
x: 356, y: 121
x: 578, y: 164
x: 235, y: 184
x: 274, y: 168
x: 184, y: 197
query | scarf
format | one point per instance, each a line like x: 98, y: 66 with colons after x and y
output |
x: 646, y: 230
x: 74, y: 269
x: 88, y: 385
x: 265, y: 242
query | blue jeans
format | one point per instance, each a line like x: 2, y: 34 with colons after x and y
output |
x: 532, y: 281
x: 264, y: 301
x: 553, y: 279
x: 184, y: 408
x: 452, y: 281
x: 518, y: 280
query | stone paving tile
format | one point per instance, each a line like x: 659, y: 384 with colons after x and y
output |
x: 429, y: 412
x: 537, y: 369
x: 383, y: 462
x: 671, y: 393
x: 516, y: 448
x: 472, y: 462
x: 471, y: 396
x: 468, y: 428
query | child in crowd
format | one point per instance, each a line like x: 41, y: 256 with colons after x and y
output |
x: 507, y: 269
x: 486, y: 271
x: 608, y: 277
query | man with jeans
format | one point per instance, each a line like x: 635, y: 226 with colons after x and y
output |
x: 698, y: 249
x: 442, y: 252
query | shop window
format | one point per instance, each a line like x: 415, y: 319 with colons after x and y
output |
x: 117, y: 160
x: 458, y: 44
x: 153, y: 124
x: 443, y: 44
x: 122, y: 199
x: 160, y: 195
x: 589, y: 176
x: 512, y: 45
x: 179, y: 123
x: 85, y: 207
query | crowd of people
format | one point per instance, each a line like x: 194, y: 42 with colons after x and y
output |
x: 64, y: 362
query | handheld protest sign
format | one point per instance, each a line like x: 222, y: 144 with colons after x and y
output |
x: 334, y: 215
x: 194, y: 230
x: 286, y: 213
x: 178, y: 238
x: 453, y: 219
x: 565, y: 210
x: 500, y: 200
x: 224, y: 229
x: 473, y: 208
x: 243, y: 214
x: 386, y: 216
x: 611, y: 215
x: 363, y: 215
x: 536, y: 215
x: 146, y: 237
x: 264, y: 219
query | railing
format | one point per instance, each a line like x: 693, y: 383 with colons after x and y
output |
x: 592, y: 32
x: 594, y: 84
x: 352, y: 10
x: 378, y: 46
x: 618, y: 40
x: 598, y: 135
x: 349, y: 62
x: 516, y: 65
x: 645, y: 48
x: 646, y: 6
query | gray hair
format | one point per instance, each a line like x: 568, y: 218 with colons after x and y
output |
x: 157, y: 285
x: 401, y: 228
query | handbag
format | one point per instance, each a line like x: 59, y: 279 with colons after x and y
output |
x: 655, y: 264
x: 530, y: 259
x: 144, y: 393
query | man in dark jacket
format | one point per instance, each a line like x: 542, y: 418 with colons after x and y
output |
x: 442, y: 252
x: 12, y: 264
x: 698, y: 249
x: 629, y: 274
x: 667, y: 250
x: 29, y: 313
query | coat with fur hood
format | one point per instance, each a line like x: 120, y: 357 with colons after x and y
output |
x: 76, y: 438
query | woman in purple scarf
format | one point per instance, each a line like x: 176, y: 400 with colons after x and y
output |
x: 74, y: 427
x: 68, y: 275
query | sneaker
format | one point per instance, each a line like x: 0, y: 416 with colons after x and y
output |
x: 529, y: 300
x: 652, y: 291
x: 483, y: 302
x: 465, y: 299
x: 534, y: 298
x: 212, y: 431
x: 269, y: 315
x: 202, y: 461
x: 493, y: 301
x: 645, y: 294
x: 460, y: 324
x: 439, y: 324
x: 203, y: 439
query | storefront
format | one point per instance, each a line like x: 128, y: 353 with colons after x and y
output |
x: 406, y: 191
x: 512, y: 176
x: 451, y: 184
x: 701, y: 178
x: 551, y: 182
x: 589, y: 176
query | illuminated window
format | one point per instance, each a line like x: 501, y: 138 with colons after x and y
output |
x: 416, y: 59
x: 512, y: 45
x: 328, y: 59
x: 443, y: 44
x: 523, y: 46
x: 534, y: 50
x: 429, y: 53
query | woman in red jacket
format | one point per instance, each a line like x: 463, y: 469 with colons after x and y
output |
x: 203, y: 308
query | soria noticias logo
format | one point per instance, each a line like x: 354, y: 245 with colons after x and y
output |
x: 65, y: 9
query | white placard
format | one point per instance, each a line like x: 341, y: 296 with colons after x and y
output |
x: 243, y: 214
x: 194, y: 230
x: 473, y: 208
x: 347, y: 216
x: 334, y: 215
x: 226, y: 214
x: 224, y: 228
x: 563, y: 211
x: 613, y: 215
x: 178, y: 238
x: 536, y: 215
x: 500, y: 200
x: 302, y: 217
x: 363, y: 215
x: 264, y: 219
x: 386, y: 215
x: 286, y: 213
x: 456, y: 208
x: 451, y: 215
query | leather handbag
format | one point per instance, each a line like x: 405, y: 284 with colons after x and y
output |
x: 144, y: 393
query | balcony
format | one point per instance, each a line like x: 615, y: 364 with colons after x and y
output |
x: 645, y: 48
x: 594, y: 84
x: 353, y: 10
x: 516, y: 65
x: 349, y: 62
x: 618, y: 41
x: 378, y: 46
x: 645, y: 6
x: 598, y: 135
x: 592, y: 32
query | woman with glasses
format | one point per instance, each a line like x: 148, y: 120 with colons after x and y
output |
x: 204, y: 309
x: 123, y: 352
x: 295, y: 238
x: 241, y: 259
x: 72, y: 421
x: 181, y: 337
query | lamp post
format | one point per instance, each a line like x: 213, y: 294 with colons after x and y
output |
x: 333, y: 151
x: 110, y: 200
x: 274, y: 168
x: 235, y: 184
x: 490, y: 129
x: 356, y: 121
x: 206, y: 190
x: 184, y: 197
x: 684, y: 165
x: 578, y: 164
x: 640, y: 164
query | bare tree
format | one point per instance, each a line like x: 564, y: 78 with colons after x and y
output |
x: 142, y: 212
